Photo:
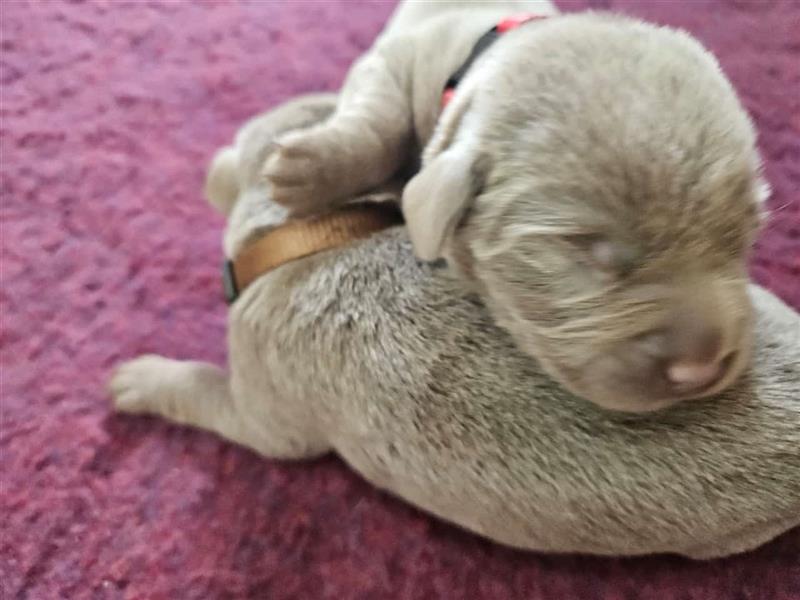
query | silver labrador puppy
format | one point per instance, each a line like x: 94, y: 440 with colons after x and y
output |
x: 399, y: 369
x: 594, y: 177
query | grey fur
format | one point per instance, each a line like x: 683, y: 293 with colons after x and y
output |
x: 573, y: 137
x: 400, y: 369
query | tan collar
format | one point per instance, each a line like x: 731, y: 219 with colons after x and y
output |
x: 298, y: 238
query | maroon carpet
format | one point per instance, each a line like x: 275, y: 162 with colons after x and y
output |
x: 110, y: 111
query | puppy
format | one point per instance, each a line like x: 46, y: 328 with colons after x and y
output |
x: 594, y: 178
x: 400, y: 369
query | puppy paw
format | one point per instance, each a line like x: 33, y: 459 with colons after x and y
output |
x: 137, y: 385
x: 301, y: 171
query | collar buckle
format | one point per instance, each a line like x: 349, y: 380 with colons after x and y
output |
x: 229, y: 286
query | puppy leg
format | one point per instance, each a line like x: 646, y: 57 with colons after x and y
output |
x: 360, y: 146
x: 199, y: 394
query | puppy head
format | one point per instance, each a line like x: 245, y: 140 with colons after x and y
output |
x: 597, y: 180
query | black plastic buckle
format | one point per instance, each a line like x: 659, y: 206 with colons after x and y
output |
x: 229, y: 282
x: 486, y: 40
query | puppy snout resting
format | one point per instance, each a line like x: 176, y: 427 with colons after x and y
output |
x: 700, y: 347
x: 698, y: 357
x: 691, y: 355
x: 690, y: 375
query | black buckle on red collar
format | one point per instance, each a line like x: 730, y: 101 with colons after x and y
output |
x: 229, y: 282
x: 486, y: 40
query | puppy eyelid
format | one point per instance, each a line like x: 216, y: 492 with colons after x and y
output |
x: 618, y: 257
x: 610, y: 256
x: 603, y: 253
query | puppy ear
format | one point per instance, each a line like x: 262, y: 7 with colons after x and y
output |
x: 437, y: 197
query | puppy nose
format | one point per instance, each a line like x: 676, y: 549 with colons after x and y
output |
x: 693, y: 375
x: 696, y: 360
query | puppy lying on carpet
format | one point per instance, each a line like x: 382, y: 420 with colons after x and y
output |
x: 615, y: 149
x: 402, y: 371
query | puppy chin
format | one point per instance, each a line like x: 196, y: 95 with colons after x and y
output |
x: 616, y: 393
x: 610, y: 389
x: 620, y: 403
x: 621, y: 397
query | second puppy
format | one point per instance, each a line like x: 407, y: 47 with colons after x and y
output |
x: 593, y: 176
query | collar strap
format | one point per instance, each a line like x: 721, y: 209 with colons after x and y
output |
x: 486, y: 40
x: 300, y: 238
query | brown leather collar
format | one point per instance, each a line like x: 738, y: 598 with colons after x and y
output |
x: 298, y: 238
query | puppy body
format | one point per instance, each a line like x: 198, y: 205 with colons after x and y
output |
x: 399, y: 368
x: 594, y: 179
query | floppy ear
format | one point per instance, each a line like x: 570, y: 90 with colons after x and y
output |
x: 437, y: 197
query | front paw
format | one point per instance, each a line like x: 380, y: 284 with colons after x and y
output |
x: 138, y: 384
x: 301, y: 171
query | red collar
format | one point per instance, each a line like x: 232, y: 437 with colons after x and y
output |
x: 486, y: 40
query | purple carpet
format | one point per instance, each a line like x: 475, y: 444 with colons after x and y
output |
x: 110, y: 112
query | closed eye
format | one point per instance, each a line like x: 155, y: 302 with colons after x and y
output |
x: 613, y: 257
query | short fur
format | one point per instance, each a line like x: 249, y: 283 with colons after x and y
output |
x: 401, y: 370
x: 571, y: 138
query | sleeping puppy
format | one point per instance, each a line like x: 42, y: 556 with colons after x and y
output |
x: 594, y: 178
x: 400, y: 369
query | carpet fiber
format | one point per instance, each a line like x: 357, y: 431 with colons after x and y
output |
x: 110, y: 112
